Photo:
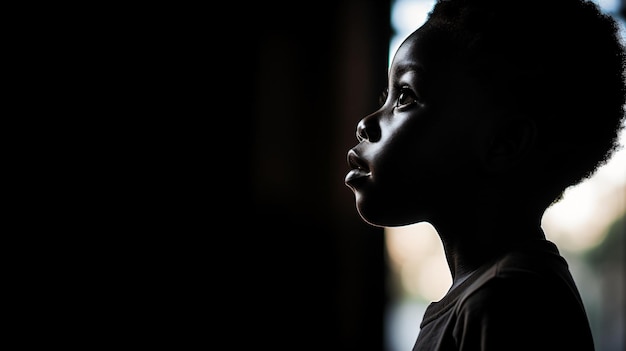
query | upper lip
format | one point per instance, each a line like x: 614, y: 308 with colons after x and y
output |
x: 356, y: 162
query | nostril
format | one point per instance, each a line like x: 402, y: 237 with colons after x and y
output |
x: 361, y: 133
x: 368, y: 129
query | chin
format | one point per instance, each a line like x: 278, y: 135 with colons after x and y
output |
x: 383, y: 222
x: 371, y: 220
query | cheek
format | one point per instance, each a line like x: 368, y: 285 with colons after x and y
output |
x: 438, y: 149
x: 440, y: 163
x: 456, y: 142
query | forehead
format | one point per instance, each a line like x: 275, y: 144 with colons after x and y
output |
x: 430, y: 59
x: 425, y: 49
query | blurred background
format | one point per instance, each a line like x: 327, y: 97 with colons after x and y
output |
x: 297, y: 268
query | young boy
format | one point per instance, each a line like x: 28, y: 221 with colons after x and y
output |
x: 493, y: 109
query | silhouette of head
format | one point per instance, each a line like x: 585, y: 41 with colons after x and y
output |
x: 491, y: 103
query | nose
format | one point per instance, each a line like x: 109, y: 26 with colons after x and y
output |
x: 368, y: 129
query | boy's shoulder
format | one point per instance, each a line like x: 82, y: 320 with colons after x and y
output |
x: 528, y: 269
x: 529, y: 291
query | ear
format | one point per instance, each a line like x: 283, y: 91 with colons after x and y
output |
x: 510, y: 143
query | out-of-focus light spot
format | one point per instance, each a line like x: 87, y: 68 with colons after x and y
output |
x: 607, y: 5
x: 417, y: 255
x: 403, y: 325
x: 433, y: 282
x: 410, y: 243
x: 407, y: 16
x: 614, y: 172
x: 579, y: 221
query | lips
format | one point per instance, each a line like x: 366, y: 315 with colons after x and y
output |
x: 359, y: 167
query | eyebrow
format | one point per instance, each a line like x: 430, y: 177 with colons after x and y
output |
x: 409, y: 67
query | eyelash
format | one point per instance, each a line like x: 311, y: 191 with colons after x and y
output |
x: 405, y: 92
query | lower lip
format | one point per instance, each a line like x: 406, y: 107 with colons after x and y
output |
x: 355, y: 174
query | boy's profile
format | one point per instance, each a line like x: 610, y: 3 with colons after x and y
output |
x: 493, y: 108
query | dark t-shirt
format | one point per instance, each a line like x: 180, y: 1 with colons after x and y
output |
x: 525, y: 300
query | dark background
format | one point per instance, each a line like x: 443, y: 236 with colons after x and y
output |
x: 258, y: 244
x: 194, y: 196
x: 183, y: 183
x: 309, y: 274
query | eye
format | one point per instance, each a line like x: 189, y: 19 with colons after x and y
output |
x: 406, y: 98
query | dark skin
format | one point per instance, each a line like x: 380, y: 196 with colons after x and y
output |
x: 441, y: 150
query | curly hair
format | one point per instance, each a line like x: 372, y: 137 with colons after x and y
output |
x: 561, y: 62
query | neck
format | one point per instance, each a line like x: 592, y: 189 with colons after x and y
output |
x: 469, y: 244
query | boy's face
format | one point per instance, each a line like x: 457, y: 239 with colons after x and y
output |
x: 419, y: 155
